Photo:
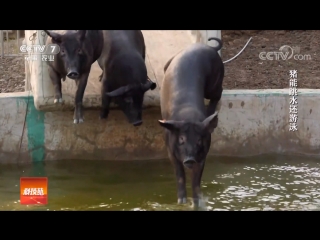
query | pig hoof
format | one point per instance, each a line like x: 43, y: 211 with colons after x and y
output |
x: 182, y: 200
x: 195, y: 203
x: 76, y: 121
x: 60, y: 100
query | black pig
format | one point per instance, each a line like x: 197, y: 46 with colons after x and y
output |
x: 78, y: 51
x: 124, y: 78
x: 191, y: 76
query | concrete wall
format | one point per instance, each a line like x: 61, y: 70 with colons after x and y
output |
x: 250, y: 122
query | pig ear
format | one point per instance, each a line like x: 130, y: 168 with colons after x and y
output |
x: 170, y: 124
x: 211, y: 122
x: 118, y: 92
x: 56, y: 37
x: 82, y: 34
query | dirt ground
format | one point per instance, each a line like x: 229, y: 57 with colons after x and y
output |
x: 12, y: 74
x: 247, y: 71
x: 12, y: 69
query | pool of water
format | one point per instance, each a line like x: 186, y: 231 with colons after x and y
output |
x: 270, y: 182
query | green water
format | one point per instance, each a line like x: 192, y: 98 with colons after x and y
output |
x: 258, y: 183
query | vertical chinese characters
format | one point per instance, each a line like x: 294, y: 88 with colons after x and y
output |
x: 293, y: 107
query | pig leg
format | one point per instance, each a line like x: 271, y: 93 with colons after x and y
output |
x: 56, y: 81
x: 196, y: 176
x: 213, y: 102
x: 181, y: 179
x: 81, y: 87
x: 105, y: 99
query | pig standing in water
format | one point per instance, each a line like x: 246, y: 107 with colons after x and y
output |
x: 124, y: 78
x: 78, y: 51
x: 191, y: 76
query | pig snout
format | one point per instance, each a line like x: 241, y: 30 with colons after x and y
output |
x: 134, y: 120
x: 188, y: 162
x: 134, y: 117
x: 73, y: 74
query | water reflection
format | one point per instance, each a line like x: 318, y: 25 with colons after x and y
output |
x: 287, y: 185
x: 229, y: 184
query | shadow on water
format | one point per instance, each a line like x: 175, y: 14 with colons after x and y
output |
x: 268, y: 182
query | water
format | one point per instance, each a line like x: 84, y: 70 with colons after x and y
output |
x: 259, y: 183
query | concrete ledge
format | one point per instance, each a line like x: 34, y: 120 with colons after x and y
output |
x: 251, y: 122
